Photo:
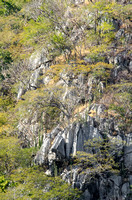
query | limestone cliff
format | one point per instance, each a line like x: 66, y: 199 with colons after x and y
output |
x: 82, y: 101
x: 93, y: 121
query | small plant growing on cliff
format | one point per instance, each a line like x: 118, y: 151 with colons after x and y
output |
x: 99, y: 157
x: 3, y: 183
x: 121, y: 103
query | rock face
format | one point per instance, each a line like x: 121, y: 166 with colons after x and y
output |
x: 60, y: 145
x: 29, y: 128
x: 65, y: 143
x: 37, y: 65
x: 128, y: 153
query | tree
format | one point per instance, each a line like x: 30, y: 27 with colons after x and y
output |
x: 13, y: 156
x: 30, y: 183
x: 100, y: 157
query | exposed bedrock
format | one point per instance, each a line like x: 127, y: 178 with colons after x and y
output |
x: 61, y: 145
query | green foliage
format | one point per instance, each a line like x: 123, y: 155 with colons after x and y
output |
x: 100, y: 37
x: 6, y: 57
x: 118, y: 100
x: 11, y: 23
x: 5, y: 103
x: 3, y: 119
x: 35, y: 32
x: 24, y: 156
x: 118, y: 109
x: 8, y: 147
x: 102, y: 71
x: 12, y: 155
x: 5, y: 60
x: 5, y: 126
x: 40, y: 100
x: 8, y: 7
x: 29, y: 183
x: 3, y: 183
x: 60, y: 42
x: 122, y: 103
x: 44, y: 25
x: 25, y: 26
x: 99, y: 156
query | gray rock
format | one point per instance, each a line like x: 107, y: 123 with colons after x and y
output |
x: 130, y: 66
x: 34, y: 79
x: 125, y: 190
x: 98, y: 108
x: 78, y: 2
x: 128, y: 152
x: 86, y: 195
x: 81, y: 79
x: 120, y: 33
x: 75, y: 139
x: 20, y: 91
x: 41, y: 156
x: 58, y: 146
x: 37, y: 66
x: 37, y: 59
x: 128, y: 37
x: 55, y: 131
x: 130, y: 180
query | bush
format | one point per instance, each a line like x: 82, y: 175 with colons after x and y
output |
x: 31, y: 183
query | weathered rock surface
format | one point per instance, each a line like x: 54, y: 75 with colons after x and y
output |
x: 61, y: 145
x: 68, y: 141
x: 37, y: 66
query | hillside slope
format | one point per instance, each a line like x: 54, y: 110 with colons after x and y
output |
x: 65, y: 97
